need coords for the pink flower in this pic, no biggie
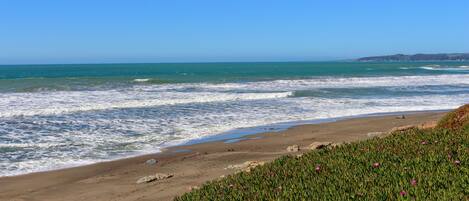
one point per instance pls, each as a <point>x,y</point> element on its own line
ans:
<point>318,168</point>
<point>376,165</point>
<point>413,182</point>
<point>403,193</point>
<point>423,142</point>
<point>457,162</point>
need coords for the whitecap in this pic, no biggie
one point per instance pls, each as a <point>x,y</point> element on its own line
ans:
<point>142,80</point>
<point>446,68</point>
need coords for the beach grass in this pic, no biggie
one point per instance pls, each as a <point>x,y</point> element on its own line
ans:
<point>430,164</point>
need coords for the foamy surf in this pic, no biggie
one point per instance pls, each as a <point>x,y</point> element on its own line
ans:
<point>446,68</point>
<point>81,101</point>
<point>112,136</point>
<point>142,80</point>
<point>105,118</point>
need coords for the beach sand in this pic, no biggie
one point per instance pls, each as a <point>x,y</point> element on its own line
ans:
<point>191,165</point>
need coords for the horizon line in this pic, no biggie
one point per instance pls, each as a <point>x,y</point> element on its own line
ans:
<point>180,62</point>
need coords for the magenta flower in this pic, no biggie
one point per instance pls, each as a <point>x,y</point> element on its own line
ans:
<point>413,182</point>
<point>376,165</point>
<point>403,193</point>
<point>318,168</point>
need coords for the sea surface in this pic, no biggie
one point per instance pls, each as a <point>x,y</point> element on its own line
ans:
<point>56,116</point>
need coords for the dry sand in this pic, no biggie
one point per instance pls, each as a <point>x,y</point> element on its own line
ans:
<point>116,180</point>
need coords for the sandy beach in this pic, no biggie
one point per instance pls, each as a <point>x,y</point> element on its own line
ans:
<point>192,165</point>
<point>234,100</point>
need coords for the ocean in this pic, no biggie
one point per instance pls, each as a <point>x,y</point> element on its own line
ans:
<point>57,116</point>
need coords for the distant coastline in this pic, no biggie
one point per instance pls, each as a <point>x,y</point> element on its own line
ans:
<point>418,57</point>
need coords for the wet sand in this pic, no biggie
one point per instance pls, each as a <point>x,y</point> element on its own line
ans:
<point>192,165</point>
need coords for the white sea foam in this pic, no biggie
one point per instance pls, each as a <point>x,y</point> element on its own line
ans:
<point>107,137</point>
<point>445,68</point>
<point>428,68</point>
<point>142,80</point>
<point>78,101</point>
<point>59,102</point>
<point>50,130</point>
<point>346,82</point>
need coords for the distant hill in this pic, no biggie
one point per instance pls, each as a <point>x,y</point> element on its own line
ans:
<point>419,57</point>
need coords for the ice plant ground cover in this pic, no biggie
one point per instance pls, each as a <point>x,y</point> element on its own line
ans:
<point>407,169</point>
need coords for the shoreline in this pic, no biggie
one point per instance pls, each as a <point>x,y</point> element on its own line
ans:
<point>193,164</point>
<point>240,133</point>
<point>236,135</point>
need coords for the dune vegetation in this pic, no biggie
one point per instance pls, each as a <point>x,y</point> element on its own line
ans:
<point>430,164</point>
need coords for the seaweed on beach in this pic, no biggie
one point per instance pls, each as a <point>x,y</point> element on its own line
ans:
<point>430,164</point>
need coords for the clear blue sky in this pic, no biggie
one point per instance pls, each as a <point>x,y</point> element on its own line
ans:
<point>89,31</point>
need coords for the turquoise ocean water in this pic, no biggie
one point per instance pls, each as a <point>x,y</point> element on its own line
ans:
<point>55,116</point>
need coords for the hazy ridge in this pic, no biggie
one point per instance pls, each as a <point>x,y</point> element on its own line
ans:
<point>419,57</point>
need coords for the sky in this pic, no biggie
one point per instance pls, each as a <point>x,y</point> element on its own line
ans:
<point>117,31</point>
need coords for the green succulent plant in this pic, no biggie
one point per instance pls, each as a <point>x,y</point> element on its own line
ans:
<point>415,164</point>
